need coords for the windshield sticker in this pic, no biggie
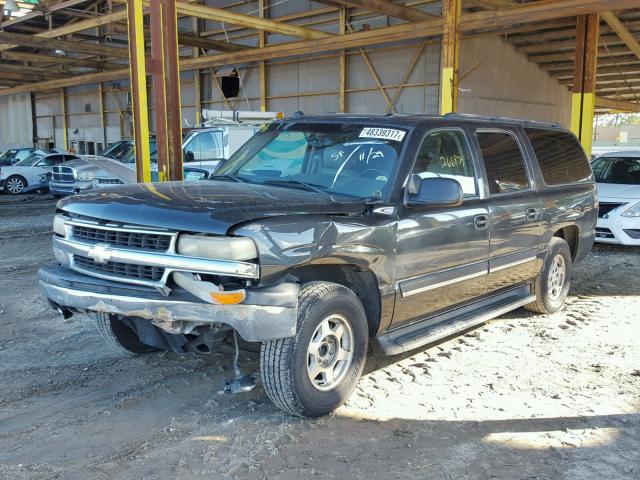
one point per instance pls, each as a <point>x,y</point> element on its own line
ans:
<point>383,133</point>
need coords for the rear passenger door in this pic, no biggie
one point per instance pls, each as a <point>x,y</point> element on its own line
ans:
<point>514,208</point>
<point>442,253</point>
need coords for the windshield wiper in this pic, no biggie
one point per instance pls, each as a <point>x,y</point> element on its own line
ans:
<point>310,187</point>
<point>235,178</point>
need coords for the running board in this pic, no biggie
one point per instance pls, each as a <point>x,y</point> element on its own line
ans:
<point>404,339</point>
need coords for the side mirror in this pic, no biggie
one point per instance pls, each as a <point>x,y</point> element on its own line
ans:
<point>189,156</point>
<point>435,192</point>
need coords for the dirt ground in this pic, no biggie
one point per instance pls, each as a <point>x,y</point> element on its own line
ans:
<point>524,397</point>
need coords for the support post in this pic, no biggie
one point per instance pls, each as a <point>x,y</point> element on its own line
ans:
<point>103,123</point>
<point>342,66</point>
<point>262,41</point>
<point>583,100</point>
<point>137,74</point>
<point>197,87</point>
<point>450,56</point>
<point>166,88</point>
<point>63,111</point>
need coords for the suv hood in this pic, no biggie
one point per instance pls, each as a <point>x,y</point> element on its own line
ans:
<point>203,206</point>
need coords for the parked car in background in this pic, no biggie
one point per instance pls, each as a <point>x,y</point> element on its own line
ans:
<point>26,174</point>
<point>617,177</point>
<point>12,156</point>
<point>325,234</point>
<point>203,149</point>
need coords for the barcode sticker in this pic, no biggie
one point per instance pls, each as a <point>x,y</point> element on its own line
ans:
<point>383,133</point>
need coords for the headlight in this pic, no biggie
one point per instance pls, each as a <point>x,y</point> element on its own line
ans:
<point>58,225</point>
<point>221,248</point>
<point>86,176</point>
<point>633,211</point>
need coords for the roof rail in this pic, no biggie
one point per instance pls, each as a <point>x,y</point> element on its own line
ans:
<point>491,118</point>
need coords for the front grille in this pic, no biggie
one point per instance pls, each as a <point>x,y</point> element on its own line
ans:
<point>604,233</point>
<point>607,207</point>
<point>148,241</point>
<point>117,269</point>
<point>109,181</point>
<point>62,174</point>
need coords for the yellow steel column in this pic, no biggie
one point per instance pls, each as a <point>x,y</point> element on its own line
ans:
<point>584,79</point>
<point>138,76</point>
<point>63,110</point>
<point>450,56</point>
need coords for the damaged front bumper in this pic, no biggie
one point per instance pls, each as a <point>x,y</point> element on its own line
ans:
<point>266,313</point>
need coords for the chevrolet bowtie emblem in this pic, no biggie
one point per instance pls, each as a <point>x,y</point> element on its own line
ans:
<point>100,253</point>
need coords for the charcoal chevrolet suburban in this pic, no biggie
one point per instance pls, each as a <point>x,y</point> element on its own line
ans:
<point>324,235</point>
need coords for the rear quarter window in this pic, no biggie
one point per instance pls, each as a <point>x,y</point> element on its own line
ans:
<point>560,157</point>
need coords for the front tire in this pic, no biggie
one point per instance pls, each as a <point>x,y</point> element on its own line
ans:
<point>15,185</point>
<point>313,373</point>
<point>552,284</point>
<point>117,335</point>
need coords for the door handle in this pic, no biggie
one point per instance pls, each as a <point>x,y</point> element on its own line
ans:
<point>532,213</point>
<point>480,222</point>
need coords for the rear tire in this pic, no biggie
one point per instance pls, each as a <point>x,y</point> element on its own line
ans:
<point>118,336</point>
<point>552,284</point>
<point>313,373</point>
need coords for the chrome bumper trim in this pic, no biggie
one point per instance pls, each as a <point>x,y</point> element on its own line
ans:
<point>254,323</point>
<point>102,253</point>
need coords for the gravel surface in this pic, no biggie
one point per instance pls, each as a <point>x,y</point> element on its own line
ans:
<point>523,397</point>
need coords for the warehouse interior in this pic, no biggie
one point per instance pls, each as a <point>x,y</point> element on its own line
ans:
<point>65,66</point>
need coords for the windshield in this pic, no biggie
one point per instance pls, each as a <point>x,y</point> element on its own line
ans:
<point>128,156</point>
<point>30,160</point>
<point>620,170</point>
<point>118,150</point>
<point>354,160</point>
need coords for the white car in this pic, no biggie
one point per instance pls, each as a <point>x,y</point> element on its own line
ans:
<point>617,177</point>
<point>26,174</point>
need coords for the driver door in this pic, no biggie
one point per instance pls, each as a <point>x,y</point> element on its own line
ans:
<point>443,252</point>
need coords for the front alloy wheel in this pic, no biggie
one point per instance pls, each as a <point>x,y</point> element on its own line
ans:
<point>557,275</point>
<point>313,373</point>
<point>15,185</point>
<point>330,352</point>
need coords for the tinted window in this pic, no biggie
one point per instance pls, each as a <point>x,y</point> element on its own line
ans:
<point>445,154</point>
<point>618,170</point>
<point>206,146</point>
<point>503,162</point>
<point>560,156</point>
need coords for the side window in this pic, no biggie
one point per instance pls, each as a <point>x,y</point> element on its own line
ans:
<point>445,154</point>
<point>206,146</point>
<point>503,162</point>
<point>49,161</point>
<point>598,166</point>
<point>560,156</point>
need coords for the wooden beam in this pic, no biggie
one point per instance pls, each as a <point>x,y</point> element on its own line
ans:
<point>584,83</point>
<point>471,22</point>
<point>385,7</point>
<point>191,40</point>
<point>450,56</point>
<point>262,42</point>
<point>623,32</point>
<point>495,4</point>
<point>42,73</point>
<point>22,40</point>
<point>60,60</point>
<point>611,52</point>
<point>41,11</point>
<point>343,18</point>
<point>616,104</point>
<point>247,21</point>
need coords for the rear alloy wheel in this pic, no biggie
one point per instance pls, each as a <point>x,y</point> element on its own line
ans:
<point>552,284</point>
<point>15,185</point>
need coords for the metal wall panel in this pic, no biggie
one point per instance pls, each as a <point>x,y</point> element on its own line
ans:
<point>16,127</point>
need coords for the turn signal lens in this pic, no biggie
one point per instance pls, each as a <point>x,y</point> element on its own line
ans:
<point>228,298</point>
